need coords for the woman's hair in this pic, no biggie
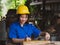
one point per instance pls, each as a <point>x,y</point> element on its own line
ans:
<point>18,17</point>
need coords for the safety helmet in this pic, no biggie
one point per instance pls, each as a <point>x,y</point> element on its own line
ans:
<point>23,9</point>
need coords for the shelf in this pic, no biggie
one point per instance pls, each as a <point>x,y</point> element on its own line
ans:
<point>37,3</point>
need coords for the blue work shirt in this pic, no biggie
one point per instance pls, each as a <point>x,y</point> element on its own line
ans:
<point>16,31</point>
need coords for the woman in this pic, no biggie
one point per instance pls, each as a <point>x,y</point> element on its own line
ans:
<point>21,30</point>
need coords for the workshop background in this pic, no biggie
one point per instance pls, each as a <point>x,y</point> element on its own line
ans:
<point>45,14</point>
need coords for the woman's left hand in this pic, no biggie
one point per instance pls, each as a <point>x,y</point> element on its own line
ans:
<point>47,36</point>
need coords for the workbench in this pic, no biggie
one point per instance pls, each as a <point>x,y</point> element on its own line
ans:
<point>41,43</point>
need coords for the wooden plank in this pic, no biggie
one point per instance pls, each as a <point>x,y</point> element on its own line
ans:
<point>41,43</point>
<point>35,42</point>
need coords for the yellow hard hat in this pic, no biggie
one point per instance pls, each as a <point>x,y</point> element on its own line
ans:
<point>23,9</point>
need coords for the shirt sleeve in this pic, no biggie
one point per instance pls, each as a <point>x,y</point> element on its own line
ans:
<point>36,31</point>
<point>12,31</point>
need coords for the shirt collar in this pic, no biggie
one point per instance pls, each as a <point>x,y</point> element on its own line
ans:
<point>23,25</point>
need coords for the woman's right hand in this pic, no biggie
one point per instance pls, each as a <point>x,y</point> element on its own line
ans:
<point>28,39</point>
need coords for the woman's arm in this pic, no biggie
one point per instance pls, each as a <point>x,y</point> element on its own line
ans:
<point>38,32</point>
<point>15,40</point>
<point>13,34</point>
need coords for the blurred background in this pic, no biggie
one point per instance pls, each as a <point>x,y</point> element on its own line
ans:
<point>45,14</point>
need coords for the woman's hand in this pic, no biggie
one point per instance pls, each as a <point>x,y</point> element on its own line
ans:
<point>28,39</point>
<point>47,36</point>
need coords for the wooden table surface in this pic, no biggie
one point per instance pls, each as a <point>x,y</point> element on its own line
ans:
<point>41,43</point>
<point>35,42</point>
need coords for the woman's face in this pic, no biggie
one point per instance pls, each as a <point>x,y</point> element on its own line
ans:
<point>23,18</point>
